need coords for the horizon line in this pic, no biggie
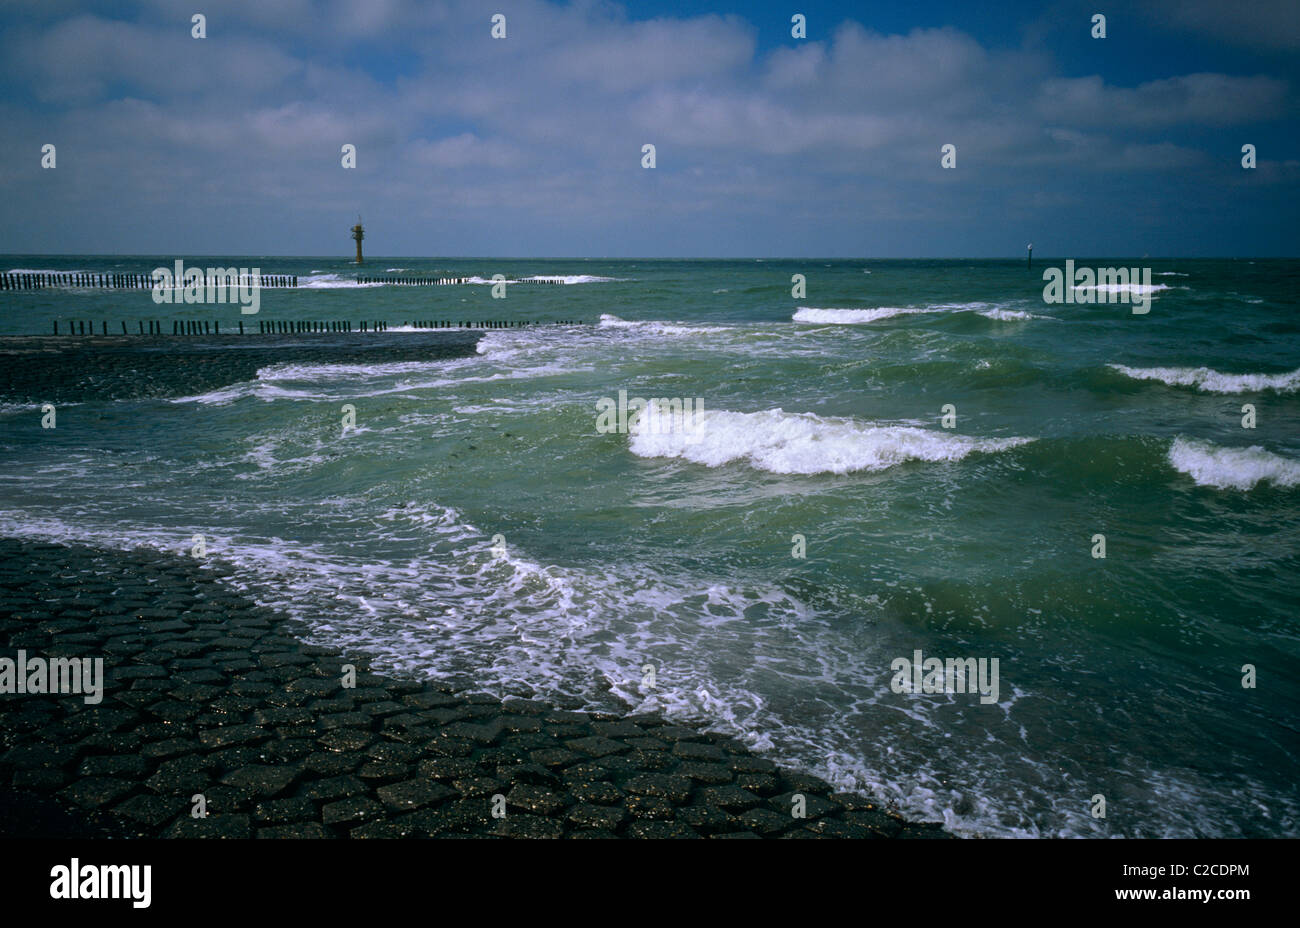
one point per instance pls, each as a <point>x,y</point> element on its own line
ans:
<point>1203,257</point>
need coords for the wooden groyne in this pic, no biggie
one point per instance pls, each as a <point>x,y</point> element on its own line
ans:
<point>287,326</point>
<point>87,281</point>
<point>414,281</point>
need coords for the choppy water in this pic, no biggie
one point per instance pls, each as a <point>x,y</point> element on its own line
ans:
<point>822,418</point>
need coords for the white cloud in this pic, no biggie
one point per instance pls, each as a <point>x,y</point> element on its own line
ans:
<point>550,121</point>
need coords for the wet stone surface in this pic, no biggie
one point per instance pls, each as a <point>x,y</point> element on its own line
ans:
<point>207,694</point>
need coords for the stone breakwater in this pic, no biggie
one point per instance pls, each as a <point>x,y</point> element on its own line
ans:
<point>206,693</point>
<point>66,369</point>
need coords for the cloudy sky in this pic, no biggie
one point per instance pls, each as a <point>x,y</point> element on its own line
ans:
<point>766,145</point>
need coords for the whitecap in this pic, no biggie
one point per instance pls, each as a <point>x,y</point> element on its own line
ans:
<point>1208,380</point>
<point>803,443</point>
<point>1211,465</point>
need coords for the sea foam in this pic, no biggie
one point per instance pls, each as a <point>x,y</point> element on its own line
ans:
<point>575,279</point>
<point>852,316</point>
<point>804,443</point>
<point>1232,468</point>
<point>1211,381</point>
<point>654,327</point>
<point>846,316</point>
<point>1010,315</point>
<point>331,282</point>
<point>1135,289</point>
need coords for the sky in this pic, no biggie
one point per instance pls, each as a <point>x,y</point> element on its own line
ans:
<point>766,145</point>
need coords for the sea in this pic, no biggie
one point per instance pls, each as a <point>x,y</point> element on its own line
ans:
<point>883,457</point>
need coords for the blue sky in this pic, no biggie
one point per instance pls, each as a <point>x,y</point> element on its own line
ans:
<point>766,145</point>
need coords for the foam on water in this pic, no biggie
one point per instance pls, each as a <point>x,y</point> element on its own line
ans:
<point>326,372</point>
<point>575,279</point>
<point>331,282</point>
<point>501,356</point>
<point>859,316</point>
<point>415,329</point>
<point>267,392</point>
<point>1010,315</point>
<point>537,278</point>
<point>518,627</point>
<point>654,327</point>
<point>464,610</point>
<point>802,443</point>
<point>1211,465</point>
<point>46,270</point>
<point>969,306</point>
<point>1212,381</point>
<point>852,316</point>
<point>1135,289</point>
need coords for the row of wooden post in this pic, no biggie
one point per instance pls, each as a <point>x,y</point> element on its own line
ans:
<point>289,326</point>
<point>43,281</point>
<point>477,324</point>
<point>414,281</point>
<point>130,281</point>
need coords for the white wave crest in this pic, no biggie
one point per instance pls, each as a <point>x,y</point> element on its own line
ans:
<point>1211,381</point>
<point>313,373</point>
<point>575,279</point>
<point>852,316</point>
<point>653,327</point>
<point>330,282</point>
<point>1232,468</point>
<point>832,316</point>
<point>538,278</point>
<point>1010,315</point>
<point>804,443</point>
<point>1135,289</point>
<point>50,270</point>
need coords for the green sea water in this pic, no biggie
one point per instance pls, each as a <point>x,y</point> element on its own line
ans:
<point>941,445</point>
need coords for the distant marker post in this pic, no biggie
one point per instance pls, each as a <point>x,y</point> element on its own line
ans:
<point>1029,262</point>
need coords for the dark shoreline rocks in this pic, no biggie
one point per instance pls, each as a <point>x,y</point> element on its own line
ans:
<point>208,694</point>
<point>75,369</point>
